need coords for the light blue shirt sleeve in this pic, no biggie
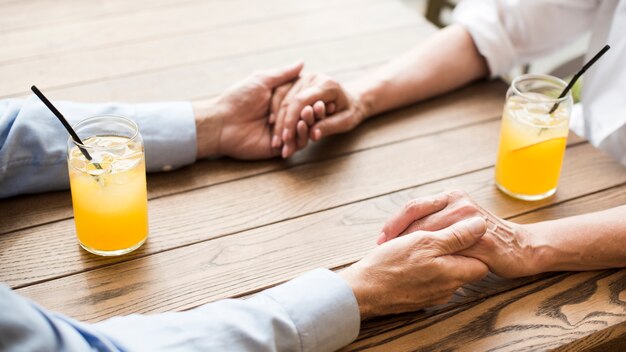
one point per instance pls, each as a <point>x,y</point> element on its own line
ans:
<point>315,312</point>
<point>33,143</point>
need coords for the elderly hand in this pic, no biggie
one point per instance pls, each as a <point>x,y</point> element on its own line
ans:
<point>415,271</point>
<point>236,123</point>
<point>300,111</point>
<point>507,248</point>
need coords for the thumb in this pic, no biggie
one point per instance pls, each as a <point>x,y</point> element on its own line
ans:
<point>279,76</point>
<point>337,123</point>
<point>461,235</point>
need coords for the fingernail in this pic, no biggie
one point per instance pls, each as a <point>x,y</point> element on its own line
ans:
<point>285,134</point>
<point>275,142</point>
<point>381,239</point>
<point>317,134</point>
<point>284,154</point>
<point>476,225</point>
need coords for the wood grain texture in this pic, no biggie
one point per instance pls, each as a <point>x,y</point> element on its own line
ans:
<point>207,213</point>
<point>151,24</point>
<point>225,228</point>
<point>77,68</point>
<point>540,316</point>
<point>245,262</point>
<point>481,102</point>
<point>610,339</point>
<point>20,15</point>
<point>207,78</point>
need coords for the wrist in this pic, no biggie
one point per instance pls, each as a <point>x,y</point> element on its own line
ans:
<point>350,276</point>
<point>541,256</point>
<point>209,120</point>
<point>365,93</point>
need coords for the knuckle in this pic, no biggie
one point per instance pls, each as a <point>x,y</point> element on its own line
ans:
<point>457,194</point>
<point>456,236</point>
<point>466,208</point>
<point>412,205</point>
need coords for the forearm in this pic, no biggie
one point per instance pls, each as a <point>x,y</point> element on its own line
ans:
<point>446,61</point>
<point>586,242</point>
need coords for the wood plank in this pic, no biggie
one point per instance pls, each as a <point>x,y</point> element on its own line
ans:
<point>248,261</point>
<point>300,190</point>
<point>540,316</point>
<point>150,24</point>
<point>479,102</point>
<point>610,339</point>
<point>205,79</point>
<point>21,15</point>
<point>387,329</point>
<point>224,42</point>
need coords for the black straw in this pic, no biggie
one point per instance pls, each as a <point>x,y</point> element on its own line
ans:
<point>67,126</point>
<point>578,74</point>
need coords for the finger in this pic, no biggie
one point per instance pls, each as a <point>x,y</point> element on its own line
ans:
<point>277,98</point>
<point>303,134</point>
<point>339,123</point>
<point>304,98</point>
<point>411,212</point>
<point>331,108</point>
<point>277,140</point>
<point>279,76</point>
<point>433,222</point>
<point>308,115</point>
<point>465,269</point>
<point>319,108</point>
<point>460,236</point>
<point>289,148</point>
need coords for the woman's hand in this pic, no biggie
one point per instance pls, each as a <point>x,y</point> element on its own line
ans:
<point>316,106</point>
<point>507,248</point>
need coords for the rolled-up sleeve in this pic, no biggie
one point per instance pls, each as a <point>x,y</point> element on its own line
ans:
<point>513,32</point>
<point>33,142</point>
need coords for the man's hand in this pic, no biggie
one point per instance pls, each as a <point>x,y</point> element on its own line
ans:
<point>316,106</point>
<point>507,248</point>
<point>415,271</point>
<point>236,124</point>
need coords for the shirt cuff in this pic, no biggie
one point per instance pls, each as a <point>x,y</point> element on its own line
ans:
<point>169,134</point>
<point>322,307</point>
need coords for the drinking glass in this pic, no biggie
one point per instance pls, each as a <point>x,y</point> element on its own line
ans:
<point>109,194</point>
<point>533,140</point>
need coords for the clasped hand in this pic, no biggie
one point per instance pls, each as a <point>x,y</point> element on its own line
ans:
<point>426,252</point>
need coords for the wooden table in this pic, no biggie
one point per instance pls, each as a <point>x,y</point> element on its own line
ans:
<point>227,228</point>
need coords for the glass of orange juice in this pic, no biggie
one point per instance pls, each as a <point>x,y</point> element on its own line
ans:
<point>109,193</point>
<point>533,140</point>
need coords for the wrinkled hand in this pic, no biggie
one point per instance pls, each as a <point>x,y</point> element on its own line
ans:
<point>505,248</point>
<point>316,106</point>
<point>241,115</point>
<point>415,271</point>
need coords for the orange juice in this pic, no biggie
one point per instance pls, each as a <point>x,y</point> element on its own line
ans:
<point>110,201</point>
<point>532,145</point>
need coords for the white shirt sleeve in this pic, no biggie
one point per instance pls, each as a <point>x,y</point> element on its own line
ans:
<point>513,32</point>
<point>315,312</point>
